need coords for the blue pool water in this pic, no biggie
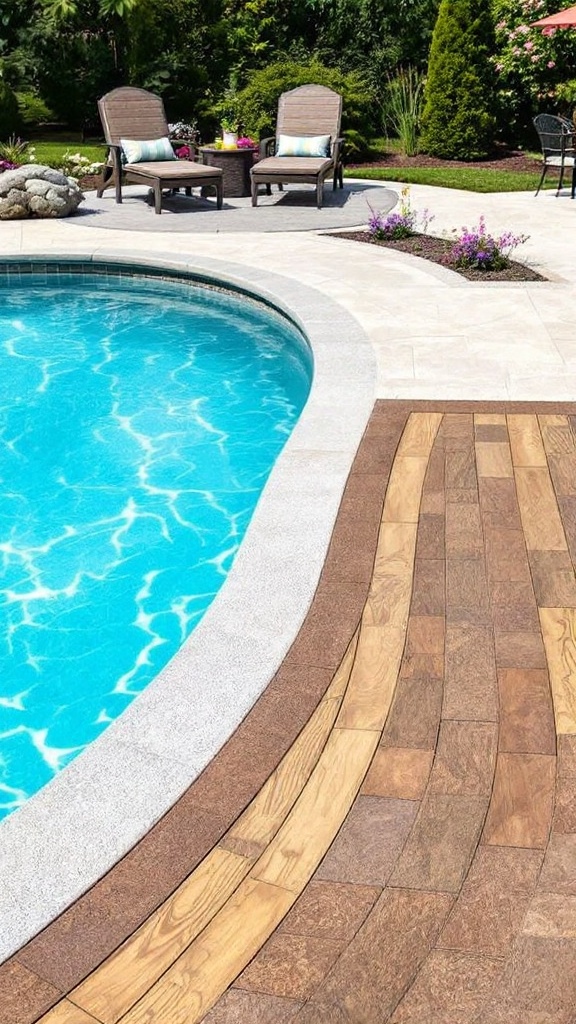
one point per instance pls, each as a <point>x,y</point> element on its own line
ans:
<point>139,421</point>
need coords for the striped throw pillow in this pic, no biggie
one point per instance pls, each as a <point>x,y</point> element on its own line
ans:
<point>137,152</point>
<point>307,145</point>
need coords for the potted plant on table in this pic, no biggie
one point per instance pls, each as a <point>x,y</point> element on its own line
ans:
<point>229,126</point>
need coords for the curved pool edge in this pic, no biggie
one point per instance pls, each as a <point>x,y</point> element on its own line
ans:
<point>77,827</point>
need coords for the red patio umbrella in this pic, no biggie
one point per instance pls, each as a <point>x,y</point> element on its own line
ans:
<point>564,19</point>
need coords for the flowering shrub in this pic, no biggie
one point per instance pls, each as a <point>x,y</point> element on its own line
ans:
<point>5,165</point>
<point>245,142</point>
<point>183,153</point>
<point>17,152</point>
<point>534,59</point>
<point>401,223</point>
<point>183,130</point>
<point>76,166</point>
<point>476,249</point>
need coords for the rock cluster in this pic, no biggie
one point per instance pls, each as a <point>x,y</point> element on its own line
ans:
<point>35,190</point>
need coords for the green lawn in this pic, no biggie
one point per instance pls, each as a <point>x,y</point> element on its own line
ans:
<point>471,179</point>
<point>52,153</point>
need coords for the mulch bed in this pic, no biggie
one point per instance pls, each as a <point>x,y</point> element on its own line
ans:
<point>502,160</point>
<point>436,249</point>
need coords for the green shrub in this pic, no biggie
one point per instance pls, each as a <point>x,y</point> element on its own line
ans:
<point>9,114</point>
<point>33,110</point>
<point>258,102</point>
<point>458,121</point>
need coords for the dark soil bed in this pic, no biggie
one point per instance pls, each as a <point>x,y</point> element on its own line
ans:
<point>436,250</point>
<point>501,160</point>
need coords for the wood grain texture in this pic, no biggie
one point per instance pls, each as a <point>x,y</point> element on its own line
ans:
<point>493,459</point>
<point>520,811</point>
<point>526,441</point>
<point>541,522</point>
<point>405,489</point>
<point>495,418</point>
<point>419,434</point>
<point>395,549</point>
<point>559,633</point>
<point>297,849</point>
<point>67,1013</point>
<point>188,990</point>
<point>373,679</point>
<point>557,434</point>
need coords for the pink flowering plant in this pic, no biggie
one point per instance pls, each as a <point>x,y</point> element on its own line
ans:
<point>400,223</point>
<point>245,142</point>
<point>532,60</point>
<point>475,248</point>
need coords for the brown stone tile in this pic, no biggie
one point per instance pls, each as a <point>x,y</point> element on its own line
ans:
<point>434,481</point>
<point>559,869</point>
<point>422,667</point>
<point>511,593</point>
<point>506,557</point>
<point>526,713</point>
<point>461,470</point>
<point>463,530</point>
<point>239,1007</point>
<point>352,548</point>
<point>369,842</point>
<point>551,916</point>
<point>363,496</point>
<point>470,616</point>
<point>456,427</point>
<point>491,432</point>
<point>428,587</point>
<point>450,989</point>
<point>400,772</point>
<point>377,967</point>
<point>553,579</point>
<point>563,473</point>
<point>330,910</point>
<point>329,625</point>
<point>520,812</point>
<point>538,985</point>
<point>564,820</point>
<point>433,503</point>
<point>24,995</point>
<point>430,540</point>
<point>465,758</point>
<point>470,690</point>
<point>415,714</point>
<point>498,497</point>
<point>440,847</point>
<point>489,911</point>
<point>566,756</point>
<point>373,457</point>
<point>515,618</point>
<point>290,966</point>
<point>519,650</point>
<point>466,583</point>
<point>425,635</point>
<point>462,496</point>
<point>567,509</point>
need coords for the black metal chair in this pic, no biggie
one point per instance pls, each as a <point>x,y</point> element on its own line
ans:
<point>557,136</point>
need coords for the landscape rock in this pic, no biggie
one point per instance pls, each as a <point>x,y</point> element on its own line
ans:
<point>35,190</point>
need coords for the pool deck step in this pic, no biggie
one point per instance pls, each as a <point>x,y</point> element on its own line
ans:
<point>390,835</point>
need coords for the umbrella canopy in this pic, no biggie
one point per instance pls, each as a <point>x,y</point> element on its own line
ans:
<point>564,19</point>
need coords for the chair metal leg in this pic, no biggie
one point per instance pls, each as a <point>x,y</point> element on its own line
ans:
<point>541,182</point>
<point>573,181</point>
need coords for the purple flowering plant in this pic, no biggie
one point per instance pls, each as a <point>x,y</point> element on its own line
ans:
<point>402,223</point>
<point>6,165</point>
<point>476,249</point>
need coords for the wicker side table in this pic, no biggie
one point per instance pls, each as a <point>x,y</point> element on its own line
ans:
<point>235,165</point>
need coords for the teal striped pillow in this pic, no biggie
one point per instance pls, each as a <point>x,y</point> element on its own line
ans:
<point>306,145</point>
<point>138,152</point>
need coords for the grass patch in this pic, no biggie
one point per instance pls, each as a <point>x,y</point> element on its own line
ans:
<point>469,179</point>
<point>52,153</point>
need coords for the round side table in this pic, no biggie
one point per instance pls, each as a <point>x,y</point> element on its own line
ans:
<point>235,165</point>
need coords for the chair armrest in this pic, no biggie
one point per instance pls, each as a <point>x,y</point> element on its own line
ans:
<point>267,146</point>
<point>337,150</point>
<point>115,154</point>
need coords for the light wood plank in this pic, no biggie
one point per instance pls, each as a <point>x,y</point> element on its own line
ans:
<point>558,438</point>
<point>526,441</point>
<point>299,846</point>
<point>490,418</point>
<point>541,522</point>
<point>559,633</point>
<point>388,602</point>
<point>493,459</point>
<point>373,680</point>
<point>395,549</point>
<point>66,1013</point>
<point>194,983</point>
<point>551,420</point>
<point>124,977</point>
<point>404,492</point>
<point>419,434</point>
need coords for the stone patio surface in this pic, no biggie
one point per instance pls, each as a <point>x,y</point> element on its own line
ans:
<point>390,834</point>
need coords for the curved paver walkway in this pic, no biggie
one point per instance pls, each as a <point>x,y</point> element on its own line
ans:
<point>410,851</point>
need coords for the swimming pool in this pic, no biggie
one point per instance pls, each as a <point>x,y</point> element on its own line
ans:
<point>140,421</point>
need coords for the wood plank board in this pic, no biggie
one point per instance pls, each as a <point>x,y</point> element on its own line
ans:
<point>373,680</point>
<point>419,434</point>
<point>559,633</point>
<point>395,550</point>
<point>541,522</point>
<point>493,459</point>
<point>526,441</point>
<point>66,1013</point>
<point>402,503</point>
<point>490,418</point>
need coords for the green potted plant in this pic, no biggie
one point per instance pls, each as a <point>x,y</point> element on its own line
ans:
<point>229,125</point>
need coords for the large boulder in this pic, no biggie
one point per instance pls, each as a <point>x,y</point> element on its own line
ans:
<point>35,190</point>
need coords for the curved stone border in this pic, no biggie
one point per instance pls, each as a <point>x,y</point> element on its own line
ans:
<point>73,830</point>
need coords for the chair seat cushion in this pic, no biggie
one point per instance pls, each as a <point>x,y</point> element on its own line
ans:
<point>136,151</point>
<point>177,169</point>
<point>556,161</point>
<point>292,165</point>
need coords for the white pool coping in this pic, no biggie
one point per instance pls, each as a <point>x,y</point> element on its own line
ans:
<point>72,831</point>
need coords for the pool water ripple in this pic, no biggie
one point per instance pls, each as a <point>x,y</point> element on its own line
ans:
<point>139,423</point>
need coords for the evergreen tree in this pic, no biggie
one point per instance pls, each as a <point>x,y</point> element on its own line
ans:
<point>458,121</point>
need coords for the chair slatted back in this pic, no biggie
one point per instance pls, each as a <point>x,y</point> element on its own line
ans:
<point>130,113</point>
<point>554,134</point>
<point>309,110</point>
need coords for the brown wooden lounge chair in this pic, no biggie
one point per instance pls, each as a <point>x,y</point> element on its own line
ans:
<point>135,114</point>
<point>303,113</point>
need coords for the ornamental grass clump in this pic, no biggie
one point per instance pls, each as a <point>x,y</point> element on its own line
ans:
<point>401,224</point>
<point>475,249</point>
